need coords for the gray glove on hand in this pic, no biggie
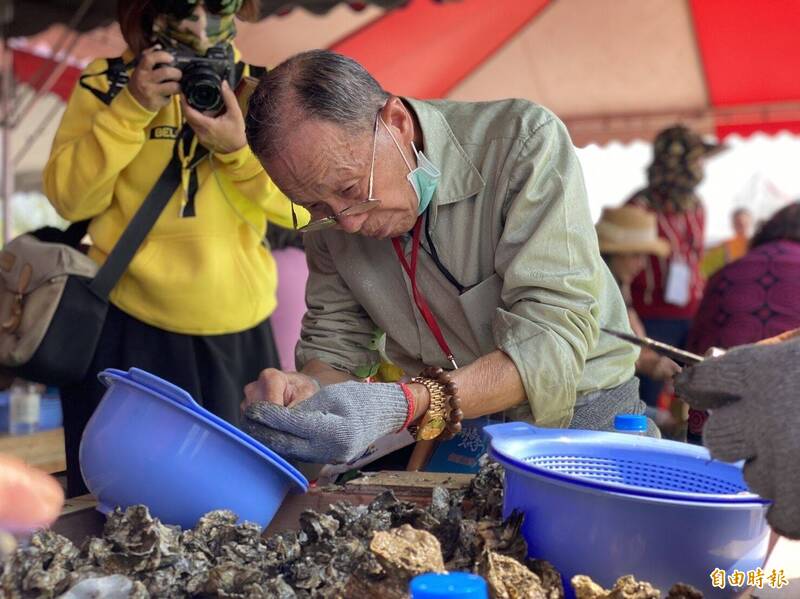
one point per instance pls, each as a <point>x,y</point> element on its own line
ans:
<point>335,425</point>
<point>754,395</point>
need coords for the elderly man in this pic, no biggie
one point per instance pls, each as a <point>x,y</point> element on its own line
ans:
<point>461,230</point>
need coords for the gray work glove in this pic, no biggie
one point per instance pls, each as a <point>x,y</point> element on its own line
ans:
<point>335,425</point>
<point>753,393</point>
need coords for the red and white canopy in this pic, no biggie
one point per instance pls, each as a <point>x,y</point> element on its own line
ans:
<point>612,69</point>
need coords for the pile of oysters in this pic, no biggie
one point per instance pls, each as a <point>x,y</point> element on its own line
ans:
<point>350,551</point>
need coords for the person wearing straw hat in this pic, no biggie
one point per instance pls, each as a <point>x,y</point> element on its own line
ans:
<point>627,236</point>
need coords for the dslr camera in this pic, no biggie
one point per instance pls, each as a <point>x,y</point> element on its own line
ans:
<point>202,78</point>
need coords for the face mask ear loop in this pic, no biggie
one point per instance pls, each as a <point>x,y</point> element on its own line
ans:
<point>408,164</point>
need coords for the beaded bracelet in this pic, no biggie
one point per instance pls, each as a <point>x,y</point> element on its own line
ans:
<point>454,413</point>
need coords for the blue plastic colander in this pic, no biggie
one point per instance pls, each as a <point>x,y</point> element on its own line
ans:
<point>174,393</point>
<point>609,504</point>
<point>625,464</point>
<point>149,442</point>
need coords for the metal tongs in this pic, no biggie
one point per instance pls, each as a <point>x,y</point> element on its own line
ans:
<point>682,357</point>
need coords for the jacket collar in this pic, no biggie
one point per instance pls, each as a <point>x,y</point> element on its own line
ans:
<point>460,179</point>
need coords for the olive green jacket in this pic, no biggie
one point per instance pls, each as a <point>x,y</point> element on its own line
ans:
<point>510,222</point>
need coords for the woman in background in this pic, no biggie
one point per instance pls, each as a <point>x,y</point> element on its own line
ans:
<point>754,298</point>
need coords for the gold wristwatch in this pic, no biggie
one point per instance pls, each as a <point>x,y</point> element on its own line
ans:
<point>435,419</point>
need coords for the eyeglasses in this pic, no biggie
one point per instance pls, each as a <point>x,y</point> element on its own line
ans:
<point>359,208</point>
<point>183,9</point>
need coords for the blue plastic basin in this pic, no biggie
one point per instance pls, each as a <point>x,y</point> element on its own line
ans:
<point>608,504</point>
<point>148,442</point>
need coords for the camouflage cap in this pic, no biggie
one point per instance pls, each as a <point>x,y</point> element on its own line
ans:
<point>677,166</point>
<point>681,142</point>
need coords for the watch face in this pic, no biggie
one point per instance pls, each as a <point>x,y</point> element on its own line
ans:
<point>433,428</point>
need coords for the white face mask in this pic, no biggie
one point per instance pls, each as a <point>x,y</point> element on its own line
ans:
<point>424,178</point>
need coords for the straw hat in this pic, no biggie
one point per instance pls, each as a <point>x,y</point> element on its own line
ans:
<point>630,229</point>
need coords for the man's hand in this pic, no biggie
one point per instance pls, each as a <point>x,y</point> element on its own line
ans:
<point>336,425</point>
<point>223,133</point>
<point>153,85</point>
<point>279,388</point>
<point>657,367</point>
<point>752,392</point>
<point>665,369</point>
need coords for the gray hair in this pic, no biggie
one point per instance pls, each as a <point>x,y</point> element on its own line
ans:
<point>318,84</point>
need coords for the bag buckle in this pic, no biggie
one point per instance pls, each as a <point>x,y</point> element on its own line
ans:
<point>12,323</point>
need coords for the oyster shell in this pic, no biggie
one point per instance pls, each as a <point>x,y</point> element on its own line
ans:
<point>626,587</point>
<point>407,551</point>
<point>509,579</point>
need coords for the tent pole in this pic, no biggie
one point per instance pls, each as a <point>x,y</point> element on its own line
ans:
<point>8,163</point>
<point>7,73</point>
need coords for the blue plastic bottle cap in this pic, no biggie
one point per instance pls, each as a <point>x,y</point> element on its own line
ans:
<point>449,586</point>
<point>631,422</point>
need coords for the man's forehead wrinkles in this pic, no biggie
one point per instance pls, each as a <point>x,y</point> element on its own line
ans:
<point>305,162</point>
<point>289,176</point>
<point>319,168</point>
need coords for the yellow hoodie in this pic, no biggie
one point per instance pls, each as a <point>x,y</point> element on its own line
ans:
<point>201,274</point>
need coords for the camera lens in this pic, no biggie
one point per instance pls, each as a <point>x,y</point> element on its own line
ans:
<point>204,97</point>
<point>202,88</point>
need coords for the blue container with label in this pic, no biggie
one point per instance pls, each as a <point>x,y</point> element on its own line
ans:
<point>461,453</point>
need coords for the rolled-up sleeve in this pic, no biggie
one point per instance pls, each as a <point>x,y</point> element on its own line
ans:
<point>336,329</point>
<point>552,274</point>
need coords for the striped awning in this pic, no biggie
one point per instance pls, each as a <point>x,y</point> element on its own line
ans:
<point>611,69</point>
<point>33,16</point>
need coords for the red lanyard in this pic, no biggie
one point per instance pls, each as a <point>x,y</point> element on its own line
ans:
<point>419,299</point>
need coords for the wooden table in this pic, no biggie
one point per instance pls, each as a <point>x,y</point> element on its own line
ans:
<point>43,450</point>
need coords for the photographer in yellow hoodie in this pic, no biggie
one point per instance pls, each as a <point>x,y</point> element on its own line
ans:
<point>194,303</point>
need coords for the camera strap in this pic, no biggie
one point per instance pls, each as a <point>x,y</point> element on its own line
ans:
<point>117,72</point>
<point>139,226</point>
<point>189,152</point>
<point>252,71</point>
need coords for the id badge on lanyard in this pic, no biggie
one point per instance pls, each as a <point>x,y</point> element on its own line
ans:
<point>678,288</point>
<point>679,282</point>
<point>419,299</point>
